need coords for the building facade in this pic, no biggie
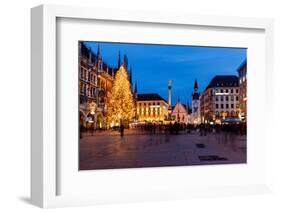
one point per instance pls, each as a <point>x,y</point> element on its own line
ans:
<point>220,100</point>
<point>195,107</point>
<point>88,87</point>
<point>181,113</point>
<point>105,83</point>
<point>95,86</point>
<point>242,73</point>
<point>151,108</point>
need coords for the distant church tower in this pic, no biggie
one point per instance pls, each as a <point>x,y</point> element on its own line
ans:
<point>195,116</point>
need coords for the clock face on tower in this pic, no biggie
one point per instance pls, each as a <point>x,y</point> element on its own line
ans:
<point>195,106</point>
<point>195,109</point>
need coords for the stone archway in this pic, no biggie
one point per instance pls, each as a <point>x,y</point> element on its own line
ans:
<point>90,121</point>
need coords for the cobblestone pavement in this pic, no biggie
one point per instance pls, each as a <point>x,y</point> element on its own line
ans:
<point>107,150</point>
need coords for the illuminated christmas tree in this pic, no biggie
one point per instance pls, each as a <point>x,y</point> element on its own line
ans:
<point>121,104</point>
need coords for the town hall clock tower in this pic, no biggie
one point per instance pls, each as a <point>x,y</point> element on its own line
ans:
<point>195,116</point>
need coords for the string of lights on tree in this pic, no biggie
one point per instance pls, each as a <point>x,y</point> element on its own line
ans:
<point>121,104</point>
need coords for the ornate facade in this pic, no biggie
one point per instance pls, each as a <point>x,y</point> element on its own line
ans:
<point>95,85</point>
<point>181,113</point>
<point>88,87</point>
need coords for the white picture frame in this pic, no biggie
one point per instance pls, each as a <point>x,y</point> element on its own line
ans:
<point>44,154</point>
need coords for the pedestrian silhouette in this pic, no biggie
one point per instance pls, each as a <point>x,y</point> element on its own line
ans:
<point>122,130</point>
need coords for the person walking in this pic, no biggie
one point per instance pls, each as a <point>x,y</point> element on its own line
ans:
<point>122,130</point>
<point>201,129</point>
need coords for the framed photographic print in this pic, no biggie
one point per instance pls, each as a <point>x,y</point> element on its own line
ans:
<point>149,106</point>
<point>136,112</point>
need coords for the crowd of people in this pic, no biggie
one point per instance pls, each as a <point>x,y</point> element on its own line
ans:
<point>153,128</point>
<point>236,128</point>
<point>203,129</point>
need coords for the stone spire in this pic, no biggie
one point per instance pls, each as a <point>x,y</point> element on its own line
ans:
<point>99,59</point>
<point>119,60</point>
<point>131,76</point>
<point>125,62</point>
<point>90,55</point>
<point>99,55</point>
<point>195,85</point>
<point>136,88</point>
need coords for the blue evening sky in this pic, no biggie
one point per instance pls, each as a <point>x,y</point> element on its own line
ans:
<point>153,65</point>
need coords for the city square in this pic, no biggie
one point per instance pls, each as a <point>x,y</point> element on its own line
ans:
<point>136,149</point>
<point>179,106</point>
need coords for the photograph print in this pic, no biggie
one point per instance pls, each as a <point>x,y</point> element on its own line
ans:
<point>151,105</point>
